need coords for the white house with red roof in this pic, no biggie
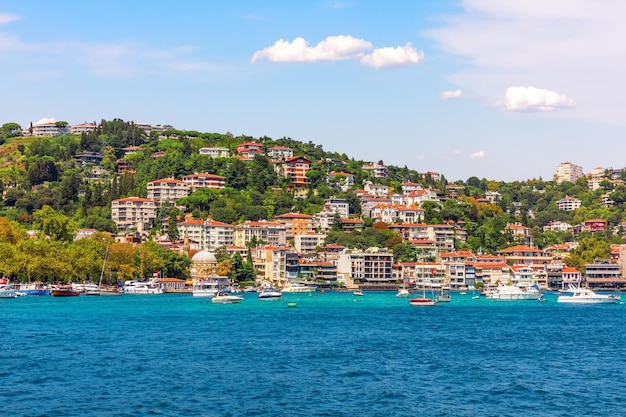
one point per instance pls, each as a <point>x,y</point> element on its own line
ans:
<point>204,180</point>
<point>279,153</point>
<point>295,169</point>
<point>247,150</point>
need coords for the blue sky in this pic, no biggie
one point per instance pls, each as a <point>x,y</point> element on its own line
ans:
<point>502,90</point>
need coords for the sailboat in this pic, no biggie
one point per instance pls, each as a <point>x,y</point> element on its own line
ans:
<point>443,296</point>
<point>107,290</point>
<point>423,301</point>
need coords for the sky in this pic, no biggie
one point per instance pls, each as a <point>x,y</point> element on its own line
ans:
<point>502,90</point>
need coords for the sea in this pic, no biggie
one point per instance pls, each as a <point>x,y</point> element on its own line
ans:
<point>334,354</point>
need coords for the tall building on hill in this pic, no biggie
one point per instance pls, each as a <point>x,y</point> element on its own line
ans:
<point>566,171</point>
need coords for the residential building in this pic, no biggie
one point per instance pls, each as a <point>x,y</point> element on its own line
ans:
<point>89,158</point>
<point>247,150</point>
<point>269,232</point>
<point>342,180</point>
<point>409,187</point>
<point>568,203</point>
<point>133,213</point>
<point>279,153</point>
<point>526,255</point>
<point>50,129</point>
<point>215,152</point>
<point>210,234</point>
<point>296,223</point>
<point>376,170</point>
<point>204,180</point>
<point>519,233</point>
<point>594,225</point>
<point>557,226</point>
<point>167,190</point>
<point>371,267</point>
<point>82,128</point>
<point>603,274</point>
<point>377,190</point>
<point>271,262</point>
<point>308,242</point>
<point>456,267</point>
<point>566,171</point>
<point>295,169</point>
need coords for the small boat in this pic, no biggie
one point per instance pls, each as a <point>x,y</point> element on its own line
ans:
<point>422,302</point>
<point>64,291</point>
<point>444,297</point>
<point>358,293</point>
<point>587,296</point>
<point>8,291</point>
<point>223,297</point>
<point>270,293</point>
<point>402,292</point>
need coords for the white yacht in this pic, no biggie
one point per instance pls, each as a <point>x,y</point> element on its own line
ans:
<point>8,291</point>
<point>402,292</point>
<point>270,293</point>
<point>223,297</point>
<point>297,287</point>
<point>143,287</point>
<point>513,292</point>
<point>205,288</point>
<point>587,296</point>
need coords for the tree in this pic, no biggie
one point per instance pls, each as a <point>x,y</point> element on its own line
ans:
<point>54,225</point>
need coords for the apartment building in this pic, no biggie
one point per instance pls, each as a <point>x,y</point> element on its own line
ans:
<point>210,234</point>
<point>566,171</point>
<point>568,203</point>
<point>269,232</point>
<point>204,180</point>
<point>296,223</point>
<point>167,190</point>
<point>133,213</point>
<point>371,267</point>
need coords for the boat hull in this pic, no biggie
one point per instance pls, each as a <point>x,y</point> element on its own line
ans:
<point>64,293</point>
<point>422,302</point>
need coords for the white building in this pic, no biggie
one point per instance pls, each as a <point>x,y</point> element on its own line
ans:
<point>215,152</point>
<point>167,190</point>
<point>566,171</point>
<point>210,234</point>
<point>133,213</point>
<point>308,242</point>
<point>568,203</point>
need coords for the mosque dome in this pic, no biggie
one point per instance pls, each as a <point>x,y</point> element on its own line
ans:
<point>203,257</point>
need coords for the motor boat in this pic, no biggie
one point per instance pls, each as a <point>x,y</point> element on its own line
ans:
<point>402,292</point>
<point>513,292</point>
<point>587,296</point>
<point>422,302</point>
<point>358,293</point>
<point>223,297</point>
<point>8,291</point>
<point>64,291</point>
<point>142,287</point>
<point>270,293</point>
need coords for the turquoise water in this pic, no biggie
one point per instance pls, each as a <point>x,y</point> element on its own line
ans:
<point>333,355</point>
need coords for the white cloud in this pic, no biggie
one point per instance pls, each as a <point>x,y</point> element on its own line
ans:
<point>339,48</point>
<point>390,57</point>
<point>445,95</point>
<point>477,155</point>
<point>7,18</point>
<point>568,45</point>
<point>535,99</point>
<point>333,48</point>
<point>45,120</point>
